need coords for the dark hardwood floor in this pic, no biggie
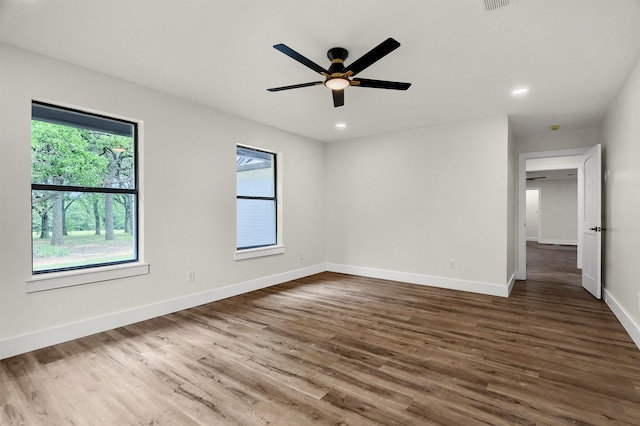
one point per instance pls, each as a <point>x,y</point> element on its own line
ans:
<point>333,349</point>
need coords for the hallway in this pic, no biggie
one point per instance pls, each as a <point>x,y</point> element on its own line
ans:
<point>553,263</point>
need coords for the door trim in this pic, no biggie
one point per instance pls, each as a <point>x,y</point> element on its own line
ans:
<point>521,269</point>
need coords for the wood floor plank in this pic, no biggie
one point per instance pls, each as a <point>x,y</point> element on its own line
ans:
<point>334,349</point>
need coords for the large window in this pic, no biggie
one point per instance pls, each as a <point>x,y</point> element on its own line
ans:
<point>84,192</point>
<point>256,198</point>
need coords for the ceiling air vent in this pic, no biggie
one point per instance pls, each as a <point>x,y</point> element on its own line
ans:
<point>491,5</point>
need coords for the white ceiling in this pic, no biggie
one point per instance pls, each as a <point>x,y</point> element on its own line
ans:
<point>462,61</point>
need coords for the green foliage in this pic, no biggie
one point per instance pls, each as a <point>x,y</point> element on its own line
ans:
<point>65,155</point>
<point>42,250</point>
<point>61,155</point>
<point>81,248</point>
<point>70,156</point>
<point>79,213</point>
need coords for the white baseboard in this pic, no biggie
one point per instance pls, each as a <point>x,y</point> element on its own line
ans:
<point>43,338</point>
<point>625,319</point>
<point>534,239</point>
<point>449,283</point>
<point>40,339</point>
<point>560,242</point>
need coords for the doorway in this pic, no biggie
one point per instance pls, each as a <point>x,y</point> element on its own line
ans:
<point>565,160</point>
<point>552,224</point>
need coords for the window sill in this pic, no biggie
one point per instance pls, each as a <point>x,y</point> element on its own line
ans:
<point>43,282</point>
<point>258,252</point>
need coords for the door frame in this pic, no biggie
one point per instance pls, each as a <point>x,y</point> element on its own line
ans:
<point>521,269</point>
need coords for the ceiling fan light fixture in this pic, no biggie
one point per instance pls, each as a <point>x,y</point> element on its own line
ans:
<point>338,83</point>
<point>337,76</point>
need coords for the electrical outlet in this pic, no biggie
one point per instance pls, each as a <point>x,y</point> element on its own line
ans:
<point>301,255</point>
<point>191,276</point>
<point>452,264</point>
<point>638,300</point>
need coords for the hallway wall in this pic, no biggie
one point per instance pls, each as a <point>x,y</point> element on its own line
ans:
<point>620,133</point>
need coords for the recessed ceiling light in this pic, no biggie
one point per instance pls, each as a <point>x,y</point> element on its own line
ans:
<point>519,91</point>
<point>341,125</point>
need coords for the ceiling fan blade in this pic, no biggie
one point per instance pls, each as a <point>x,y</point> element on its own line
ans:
<point>338,98</point>
<point>298,57</point>
<point>296,86</point>
<point>380,84</point>
<point>374,55</point>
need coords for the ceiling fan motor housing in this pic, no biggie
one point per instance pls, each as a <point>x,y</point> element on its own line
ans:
<point>337,56</point>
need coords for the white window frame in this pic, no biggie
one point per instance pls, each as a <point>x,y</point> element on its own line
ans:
<point>71,278</point>
<point>279,247</point>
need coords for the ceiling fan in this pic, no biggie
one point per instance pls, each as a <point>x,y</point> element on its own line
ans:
<point>338,77</point>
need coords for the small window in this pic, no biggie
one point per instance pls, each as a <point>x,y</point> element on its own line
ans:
<point>84,192</point>
<point>256,198</point>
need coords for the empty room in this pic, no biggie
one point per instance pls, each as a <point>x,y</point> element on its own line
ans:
<point>293,213</point>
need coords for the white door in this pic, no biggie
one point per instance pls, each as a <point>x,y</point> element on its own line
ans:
<point>532,223</point>
<point>592,223</point>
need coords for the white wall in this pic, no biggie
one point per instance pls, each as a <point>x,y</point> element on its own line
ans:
<point>533,213</point>
<point>554,163</point>
<point>557,140</point>
<point>558,210</point>
<point>189,180</point>
<point>620,133</point>
<point>410,202</point>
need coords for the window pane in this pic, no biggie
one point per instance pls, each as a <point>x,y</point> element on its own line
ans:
<point>64,153</point>
<point>79,229</point>
<point>256,223</point>
<point>256,173</point>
